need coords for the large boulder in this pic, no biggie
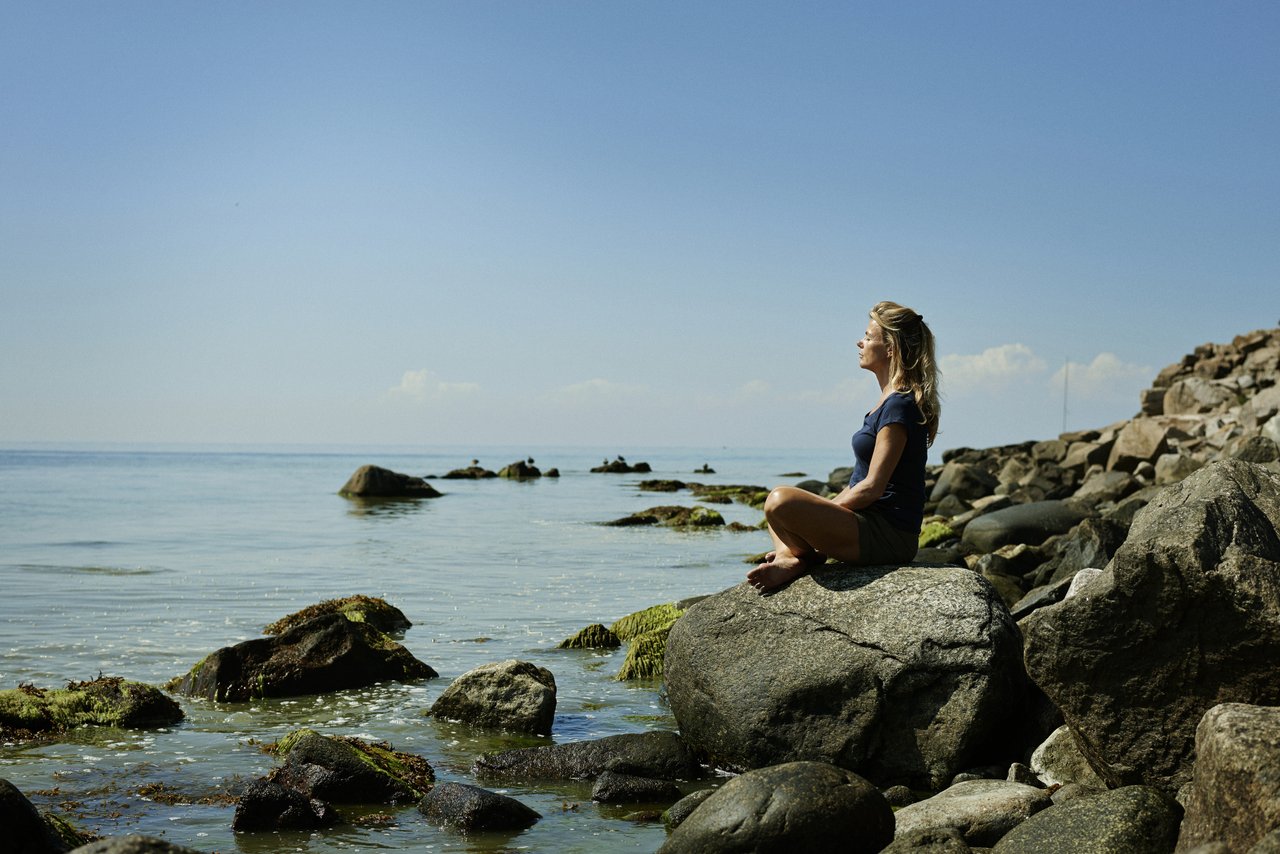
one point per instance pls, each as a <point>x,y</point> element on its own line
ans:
<point>25,829</point>
<point>377,612</point>
<point>661,755</point>
<point>1129,820</point>
<point>376,482</point>
<point>1031,523</point>
<point>31,712</point>
<point>471,809</point>
<point>798,806</point>
<point>327,653</point>
<point>350,770</point>
<point>903,675</point>
<point>1235,791</point>
<point>1185,616</point>
<point>981,811</point>
<point>134,843</point>
<point>267,805</point>
<point>511,695</point>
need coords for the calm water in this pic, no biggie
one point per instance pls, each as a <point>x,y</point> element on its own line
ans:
<point>139,562</point>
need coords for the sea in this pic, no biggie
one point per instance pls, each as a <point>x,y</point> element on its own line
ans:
<point>138,561</point>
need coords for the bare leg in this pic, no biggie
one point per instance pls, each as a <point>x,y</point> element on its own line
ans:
<point>805,529</point>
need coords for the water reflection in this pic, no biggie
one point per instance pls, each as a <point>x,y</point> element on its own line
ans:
<point>387,507</point>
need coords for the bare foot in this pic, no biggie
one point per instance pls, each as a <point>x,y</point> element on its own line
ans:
<point>776,573</point>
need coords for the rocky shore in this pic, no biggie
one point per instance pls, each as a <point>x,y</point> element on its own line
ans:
<point>1083,657</point>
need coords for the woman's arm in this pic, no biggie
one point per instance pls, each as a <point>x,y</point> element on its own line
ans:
<point>891,441</point>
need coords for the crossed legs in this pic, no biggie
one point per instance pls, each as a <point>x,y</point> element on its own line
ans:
<point>806,530</point>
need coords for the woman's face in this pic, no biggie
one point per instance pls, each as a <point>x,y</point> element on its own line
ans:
<point>872,351</point>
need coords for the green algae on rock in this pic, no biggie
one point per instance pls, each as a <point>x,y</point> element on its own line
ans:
<point>31,712</point>
<point>935,532</point>
<point>752,496</point>
<point>377,612</point>
<point>646,633</point>
<point>358,771</point>
<point>594,636</point>
<point>672,516</point>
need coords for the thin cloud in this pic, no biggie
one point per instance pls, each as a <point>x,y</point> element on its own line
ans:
<point>423,385</point>
<point>994,365</point>
<point>1106,376</point>
<point>599,389</point>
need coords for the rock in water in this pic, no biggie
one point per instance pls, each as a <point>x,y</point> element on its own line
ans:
<point>901,675</point>
<point>375,482</point>
<point>798,806</point>
<point>469,809</point>
<point>327,653</point>
<point>1185,616</point>
<point>511,695</point>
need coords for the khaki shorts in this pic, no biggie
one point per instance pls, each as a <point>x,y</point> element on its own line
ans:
<point>880,543</point>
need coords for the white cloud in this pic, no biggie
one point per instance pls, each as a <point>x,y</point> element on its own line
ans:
<point>422,385</point>
<point>1106,376</point>
<point>994,365</point>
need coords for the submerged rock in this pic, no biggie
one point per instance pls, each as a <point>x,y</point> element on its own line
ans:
<point>646,635</point>
<point>471,472</point>
<point>903,675</point>
<point>326,653</point>
<point>621,466</point>
<point>31,712</point>
<point>379,613</point>
<point>663,755</point>
<point>24,828</point>
<point>615,787</point>
<point>375,482</point>
<point>470,809</point>
<point>350,770</point>
<point>520,470</point>
<point>511,695</point>
<point>267,805</point>
<point>671,516</point>
<point>798,806</point>
<point>134,843</point>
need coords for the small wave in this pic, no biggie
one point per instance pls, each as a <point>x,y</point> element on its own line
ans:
<point>90,570</point>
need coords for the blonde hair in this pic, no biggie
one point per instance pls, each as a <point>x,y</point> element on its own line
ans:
<point>912,366</point>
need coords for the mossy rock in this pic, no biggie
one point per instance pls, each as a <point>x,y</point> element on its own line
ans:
<point>520,470</point>
<point>28,711</point>
<point>662,485</point>
<point>378,613</point>
<point>70,835</point>
<point>360,771</point>
<point>934,533</point>
<point>594,636</point>
<point>672,516</point>
<point>644,655</point>
<point>642,622</point>
<point>753,496</point>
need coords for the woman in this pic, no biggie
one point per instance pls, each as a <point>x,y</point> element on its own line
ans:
<point>876,518</point>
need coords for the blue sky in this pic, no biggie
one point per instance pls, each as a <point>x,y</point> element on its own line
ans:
<point>619,224</point>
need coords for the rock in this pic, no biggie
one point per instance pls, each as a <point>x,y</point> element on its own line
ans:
<point>620,466</point>
<point>1141,440</point>
<point>471,809</point>
<point>799,806</point>
<point>1040,597</point>
<point>675,815</point>
<point>25,830</point>
<point>350,770</point>
<point>1269,844</point>
<point>934,533</point>
<point>471,472</point>
<point>1171,468</point>
<point>1058,760</point>
<point>1186,615</point>
<point>375,482</point>
<point>663,755</point>
<point>671,516</point>
<point>817,487</point>
<point>266,805</point>
<point>900,796</point>
<point>963,480</point>
<point>982,811</point>
<point>1107,486</point>
<point>1022,523</point>
<point>724,493</point>
<point>615,787</point>
<point>29,712</point>
<point>132,844</point>
<point>327,653</point>
<point>379,613</point>
<point>1129,820</point>
<point>1235,793</point>
<point>520,470</point>
<point>510,695</point>
<point>594,636</point>
<point>1258,449</point>
<point>839,478</point>
<point>646,635</point>
<point>929,840</point>
<point>1196,395</point>
<point>1019,773</point>
<point>902,675</point>
<point>661,485</point>
<point>1089,544</point>
<point>1081,580</point>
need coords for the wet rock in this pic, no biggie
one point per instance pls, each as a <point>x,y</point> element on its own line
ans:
<point>133,844</point>
<point>31,712</point>
<point>902,675</point>
<point>661,485</point>
<point>981,811</point>
<point>1234,795</point>
<point>615,787</point>
<point>379,613</point>
<point>683,808</point>
<point>594,636</point>
<point>375,482</point>
<point>511,695</point>
<point>621,466</point>
<point>266,805</point>
<point>350,770</point>
<point>471,809</point>
<point>1185,616</point>
<point>471,472</point>
<point>326,653</point>
<point>25,830</point>
<point>798,806</point>
<point>671,516</point>
<point>520,470</point>
<point>663,755</point>
<point>1129,820</point>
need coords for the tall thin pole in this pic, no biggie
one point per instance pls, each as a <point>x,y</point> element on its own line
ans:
<point>1066,370</point>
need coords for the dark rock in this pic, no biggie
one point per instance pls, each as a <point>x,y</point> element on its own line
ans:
<point>672,517</point>
<point>1088,545</point>
<point>266,805</point>
<point>615,787</point>
<point>929,840</point>
<point>1234,795</point>
<point>379,613</point>
<point>1129,820</point>
<point>661,485</point>
<point>471,472</point>
<point>839,478</point>
<point>132,844</point>
<point>900,796</point>
<point>594,636</point>
<point>520,470</point>
<point>663,755</point>
<point>1186,615</point>
<point>1258,449</point>
<point>621,466</point>
<point>817,487</point>
<point>683,808</point>
<point>1022,523</point>
<point>799,806</point>
<point>963,480</point>
<point>982,811</point>
<point>24,829</point>
<point>510,695</point>
<point>327,653</point>
<point>349,770</point>
<point>903,675</point>
<point>471,809</point>
<point>375,482</point>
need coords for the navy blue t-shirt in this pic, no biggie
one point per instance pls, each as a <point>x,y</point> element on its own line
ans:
<point>903,500</point>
